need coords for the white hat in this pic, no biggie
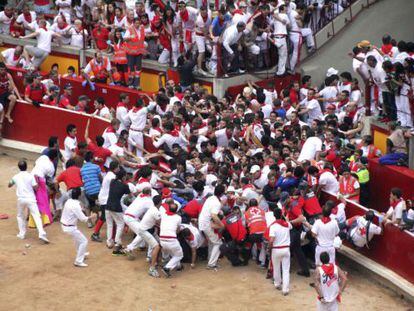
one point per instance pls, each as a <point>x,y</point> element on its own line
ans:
<point>231,189</point>
<point>247,90</point>
<point>254,169</point>
<point>210,179</point>
<point>331,71</point>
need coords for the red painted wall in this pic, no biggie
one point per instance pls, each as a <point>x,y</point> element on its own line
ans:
<point>393,249</point>
<point>385,177</point>
<point>35,125</point>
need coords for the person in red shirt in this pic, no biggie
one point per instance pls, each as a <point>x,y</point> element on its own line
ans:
<point>256,226</point>
<point>64,100</point>
<point>100,154</point>
<point>71,176</point>
<point>311,207</point>
<point>234,234</point>
<point>292,211</point>
<point>100,36</point>
<point>35,91</point>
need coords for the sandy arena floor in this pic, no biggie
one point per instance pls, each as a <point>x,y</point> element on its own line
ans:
<point>42,277</point>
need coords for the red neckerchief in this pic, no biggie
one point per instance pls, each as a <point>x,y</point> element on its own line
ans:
<point>142,195</point>
<point>324,171</point>
<point>119,145</point>
<point>110,129</point>
<point>28,17</point>
<point>343,102</point>
<point>184,15</point>
<point>329,269</point>
<point>142,180</point>
<point>122,104</point>
<point>169,213</point>
<point>346,83</point>
<point>130,21</point>
<point>120,18</point>
<point>334,210</point>
<point>287,106</point>
<point>64,26</point>
<point>44,27</point>
<point>174,133</point>
<point>325,220</point>
<point>9,16</point>
<point>387,49</point>
<point>158,129</point>
<point>229,135</point>
<point>72,136</point>
<point>282,222</point>
<point>205,18</point>
<point>238,11</point>
<point>15,57</point>
<point>394,204</point>
<point>190,237</point>
<point>248,186</point>
<point>136,109</point>
<point>221,21</point>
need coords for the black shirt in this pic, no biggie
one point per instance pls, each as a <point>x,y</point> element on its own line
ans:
<point>186,73</point>
<point>116,190</point>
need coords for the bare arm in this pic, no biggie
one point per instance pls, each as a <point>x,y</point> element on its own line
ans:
<point>87,139</point>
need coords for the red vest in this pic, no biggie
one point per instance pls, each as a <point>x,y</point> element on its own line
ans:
<point>136,43</point>
<point>347,186</point>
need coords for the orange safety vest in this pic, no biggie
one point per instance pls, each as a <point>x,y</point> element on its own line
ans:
<point>348,187</point>
<point>136,43</point>
<point>120,54</point>
<point>100,71</point>
<point>255,220</point>
<point>372,152</point>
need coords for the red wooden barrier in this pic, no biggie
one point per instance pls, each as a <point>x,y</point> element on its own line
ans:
<point>385,177</point>
<point>278,83</point>
<point>393,249</point>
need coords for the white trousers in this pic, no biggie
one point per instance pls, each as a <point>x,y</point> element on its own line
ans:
<point>172,247</point>
<point>308,35</point>
<point>214,243</point>
<point>117,218</point>
<point>320,249</point>
<point>281,267</point>
<point>133,224</point>
<point>403,110</point>
<point>282,52</point>
<point>22,204</point>
<point>329,306</point>
<point>81,242</point>
<point>138,138</point>
<point>296,39</point>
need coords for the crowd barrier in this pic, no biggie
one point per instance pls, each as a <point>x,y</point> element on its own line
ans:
<point>393,249</point>
<point>385,177</point>
<point>109,93</point>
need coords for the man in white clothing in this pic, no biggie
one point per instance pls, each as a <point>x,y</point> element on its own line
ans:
<point>311,107</point>
<point>70,142</point>
<point>279,246</point>
<point>169,227</point>
<point>26,186</point>
<point>231,38</point>
<point>44,44</point>
<point>327,180</point>
<point>311,148</point>
<point>279,38</point>
<point>71,214</point>
<point>325,230</point>
<point>208,221</point>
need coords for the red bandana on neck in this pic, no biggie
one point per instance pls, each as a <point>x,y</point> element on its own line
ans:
<point>174,133</point>
<point>387,49</point>
<point>329,269</point>
<point>142,195</point>
<point>110,129</point>
<point>28,17</point>
<point>325,220</point>
<point>184,15</point>
<point>136,109</point>
<point>282,222</point>
<point>395,203</point>
<point>122,104</point>
<point>249,186</point>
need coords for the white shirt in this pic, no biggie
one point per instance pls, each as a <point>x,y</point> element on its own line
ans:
<point>170,140</point>
<point>211,206</point>
<point>315,112</point>
<point>138,118</point>
<point>169,225</point>
<point>70,144</point>
<point>198,238</point>
<point>397,211</point>
<point>109,139</point>
<point>279,27</point>
<point>281,234</point>
<point>21,19</point>
<point>8,55</point>
<point>311,146</point>
<point>5,23</point>
<point>43,167</point>
<point>325,233</point>
<point>64,32</point>
<point>230,37</point>
<point>329,183</point>
<point>117,151</point>
<point>340,214</point>
<point>25,182</point>
<point>139,206</point>
<point>44,39</point>
<point>72,212</point>
<point>104,192</point>
<point>150,218</point>
<point>261,181</point>
<point>122,116</point>
<point>76,38</point>
<point>359,233</point>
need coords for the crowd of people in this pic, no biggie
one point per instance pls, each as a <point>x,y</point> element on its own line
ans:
<point>233,35</point>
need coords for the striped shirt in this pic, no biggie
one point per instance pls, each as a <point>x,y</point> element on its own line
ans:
<point>90,175</point>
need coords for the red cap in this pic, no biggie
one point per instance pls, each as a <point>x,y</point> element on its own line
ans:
<point>166,193</point>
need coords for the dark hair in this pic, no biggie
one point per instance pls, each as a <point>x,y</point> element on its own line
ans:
<point>76,193</point>
<point>52,154</point>
<point>100,100</point>
<point>277,212</point>
<point>70,128</point>
<point>88,156</point>
<point>52,141</point>
<point>22,165</point>
<point>157,200</point>
<point>219,190</point>
<point>253,202</point>
<point>100,140</point>
<point>121,174</point>
<point>324,257</point>
<point>113,165</point>
<point>397,192</point>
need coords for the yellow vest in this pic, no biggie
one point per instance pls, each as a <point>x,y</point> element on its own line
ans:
<point>363,176</point>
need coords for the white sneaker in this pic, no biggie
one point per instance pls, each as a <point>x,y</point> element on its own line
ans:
<point>20,236</point>
<point>153,272</point>
<point>44,239</point>
<point>80,264</point>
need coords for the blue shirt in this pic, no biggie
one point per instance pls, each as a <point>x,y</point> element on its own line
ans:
<point>287,183</point>
<point>90,175</point>
<point>281,113</point>
<point>218,29</point>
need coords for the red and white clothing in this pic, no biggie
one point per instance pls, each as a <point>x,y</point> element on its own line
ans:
<point>70,143</point>
<point>279,230</point>
<point>325,230</point>
<point>11,59</point>
<point>188,21</point>
<point>329,280</point>
<point>5,22</point>
<point>196,240</point>
<point>396,210</point>
<point>63,31</point>
<point>26,20</point>
<point>361,234</point>
<point>137,117</point>
<point>110,137</point>
<point>347,186</point>
<point>170,223</point>
<point>78,37</point>
<point>202,26</point>
<point>328,182</point>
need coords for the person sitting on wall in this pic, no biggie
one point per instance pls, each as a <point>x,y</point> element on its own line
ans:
<point>97,70</point>
<point>397,153</point>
